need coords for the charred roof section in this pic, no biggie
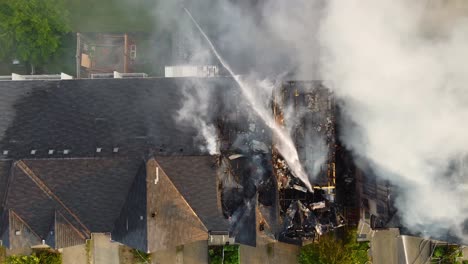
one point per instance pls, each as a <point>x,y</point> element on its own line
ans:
<point>307,110</point>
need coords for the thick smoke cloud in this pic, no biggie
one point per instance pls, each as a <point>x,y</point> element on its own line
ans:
<point>403,82</point>
<point>252,47</point>
<point>398,68</point>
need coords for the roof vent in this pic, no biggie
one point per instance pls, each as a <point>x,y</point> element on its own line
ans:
<point>19,77</point>
<point>33,152</point>
<point>51,151</point>
<point>141,217</point>
<point>5,152</point>
<point>191,71</point>
<point>115,150</point>
<point>64,76</point>
<point>119,75</point>
<point>98,150</point>
<point>102,75</point>
<point>66,151</point>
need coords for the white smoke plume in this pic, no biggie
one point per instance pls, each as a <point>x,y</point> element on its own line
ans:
<point>404,85</point>
<point>398,69</point>
<point>195,112</point>
<point>283,140</point>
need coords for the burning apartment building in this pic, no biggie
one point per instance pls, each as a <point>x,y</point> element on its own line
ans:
<point>103,150</point>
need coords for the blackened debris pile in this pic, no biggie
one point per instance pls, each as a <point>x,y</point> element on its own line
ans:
<point>307,110</point>
<point>246,181</point>
<point>259,193</point>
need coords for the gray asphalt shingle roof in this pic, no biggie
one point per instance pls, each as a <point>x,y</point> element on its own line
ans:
<point>137,116</point>
<point>81,115</point>
<point>195,178</point>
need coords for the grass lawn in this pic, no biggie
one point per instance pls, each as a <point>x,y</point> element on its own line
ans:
<point>111,15</point>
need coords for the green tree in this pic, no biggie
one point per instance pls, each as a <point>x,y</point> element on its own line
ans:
<point>331,250</point>
<point>31,30</point>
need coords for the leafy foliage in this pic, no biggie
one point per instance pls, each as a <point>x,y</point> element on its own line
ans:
<point>230,252</point>
<point>31,30</point>
<point>141,257</point>
<point>330,250</point>
<point>38,257</point>
<point>446,254</point>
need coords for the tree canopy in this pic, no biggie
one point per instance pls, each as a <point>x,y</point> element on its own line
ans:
<point>31,30</point>
<point>330,250</point>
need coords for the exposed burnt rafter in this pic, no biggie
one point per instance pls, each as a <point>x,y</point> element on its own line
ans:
<point>307,111</point>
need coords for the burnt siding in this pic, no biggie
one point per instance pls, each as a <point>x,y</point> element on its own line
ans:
<point>129,228</point>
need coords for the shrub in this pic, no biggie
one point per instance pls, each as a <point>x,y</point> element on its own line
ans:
<point>141,257</point>
<point>331,250</point>
<point>231,254</point>
<point>38,257</point>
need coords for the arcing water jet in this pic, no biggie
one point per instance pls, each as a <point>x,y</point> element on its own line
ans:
<point>285,144</point>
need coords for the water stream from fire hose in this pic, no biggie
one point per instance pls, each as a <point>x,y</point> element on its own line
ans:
<point>284,142</point>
